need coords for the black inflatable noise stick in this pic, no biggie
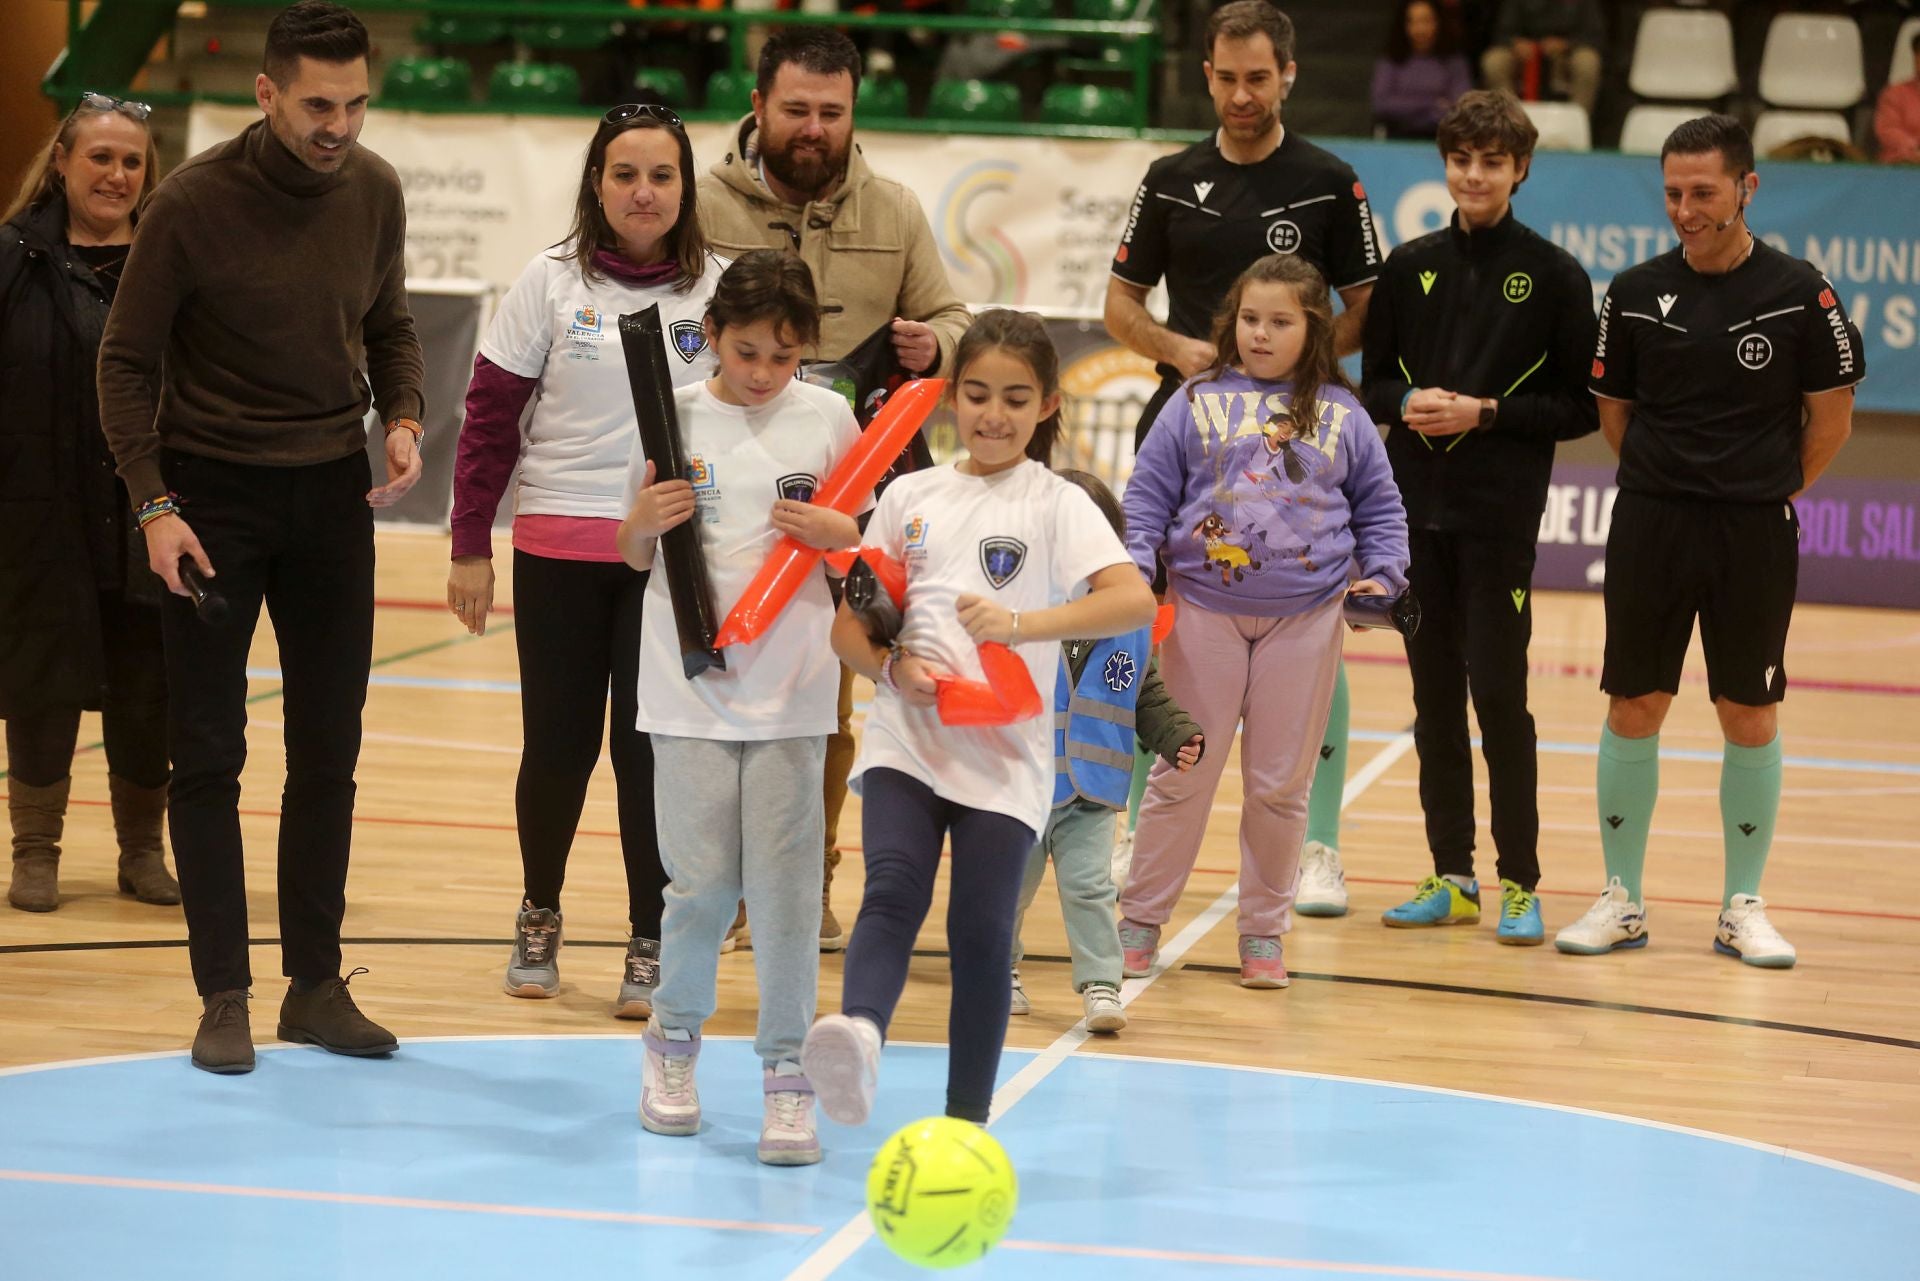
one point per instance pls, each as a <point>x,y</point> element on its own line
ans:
<point>688,585</point>
<point>1401,613</point>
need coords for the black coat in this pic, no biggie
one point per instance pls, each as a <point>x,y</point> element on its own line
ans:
<point>66,529</point>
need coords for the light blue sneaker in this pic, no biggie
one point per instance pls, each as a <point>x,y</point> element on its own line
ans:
<point>1436,901</point>
<point>1519,917</point>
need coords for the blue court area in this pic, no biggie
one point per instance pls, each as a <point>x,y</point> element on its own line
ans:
<point>516,1158</point>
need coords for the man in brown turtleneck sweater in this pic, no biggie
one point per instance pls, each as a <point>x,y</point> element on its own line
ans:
<point>267,269</point>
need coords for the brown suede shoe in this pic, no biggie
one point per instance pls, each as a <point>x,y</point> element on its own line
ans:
<point>139,813</point>
<point>325,1015</point>
<point>224,1043</point>
<point>39,817</point>
<point>832,937</point>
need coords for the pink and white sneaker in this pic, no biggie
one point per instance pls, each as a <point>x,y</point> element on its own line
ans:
<point>1260,962</point>
<point>841,1057</point>
<point>1139,945</point>
<point>787,1132</point>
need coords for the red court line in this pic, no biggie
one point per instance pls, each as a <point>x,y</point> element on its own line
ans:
<point>404,1202</point>
<point>1591,671</point>
<point>381,820</point>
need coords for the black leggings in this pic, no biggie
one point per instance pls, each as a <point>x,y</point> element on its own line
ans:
<point>903,824</point>
<point>577,627</point>
<point>133,717</point>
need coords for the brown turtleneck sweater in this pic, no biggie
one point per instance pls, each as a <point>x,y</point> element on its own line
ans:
<point>255,290</point>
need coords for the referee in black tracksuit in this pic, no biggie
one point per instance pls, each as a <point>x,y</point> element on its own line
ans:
<point>1476,353</point>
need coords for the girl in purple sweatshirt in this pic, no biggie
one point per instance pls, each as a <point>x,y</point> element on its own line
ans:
<point>1260,487</point>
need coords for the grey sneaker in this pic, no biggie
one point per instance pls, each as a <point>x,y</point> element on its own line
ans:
<point>1021,1005</point>
<point>535,968</point>
<point>638,979</point>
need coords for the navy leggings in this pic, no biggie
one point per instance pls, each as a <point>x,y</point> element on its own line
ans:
<point>903,825</point>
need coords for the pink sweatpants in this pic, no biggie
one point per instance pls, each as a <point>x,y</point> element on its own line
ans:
<point>1275,676</point>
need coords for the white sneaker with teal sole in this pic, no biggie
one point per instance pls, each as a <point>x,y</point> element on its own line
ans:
<point>1323,883</point>
<point>1613,922</point>
<point>1745,932</point>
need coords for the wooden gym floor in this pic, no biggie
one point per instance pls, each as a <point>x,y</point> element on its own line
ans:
<point>1822,1059</point>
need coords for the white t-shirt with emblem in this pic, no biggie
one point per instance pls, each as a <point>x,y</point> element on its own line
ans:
<point>786,684</point>
<point>580,430</point>
<point>1025,539</point>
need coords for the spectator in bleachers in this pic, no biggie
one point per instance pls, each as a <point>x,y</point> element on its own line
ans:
<point>1422,73</point>
<point>1896,122</point>
<point>1542,46</point>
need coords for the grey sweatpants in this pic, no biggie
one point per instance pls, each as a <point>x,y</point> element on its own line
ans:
<point>740,820</point>
<point>1079,840</point>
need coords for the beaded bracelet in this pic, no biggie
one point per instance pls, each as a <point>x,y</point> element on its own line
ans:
<point>168,504</point>
<point>886,664</point>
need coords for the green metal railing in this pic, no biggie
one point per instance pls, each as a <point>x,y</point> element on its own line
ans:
<point>106,51</point>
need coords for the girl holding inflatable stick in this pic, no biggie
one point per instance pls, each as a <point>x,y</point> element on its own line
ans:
<point>998,550</point>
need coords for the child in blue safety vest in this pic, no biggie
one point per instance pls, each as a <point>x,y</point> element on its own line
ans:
<point>1107,692</point>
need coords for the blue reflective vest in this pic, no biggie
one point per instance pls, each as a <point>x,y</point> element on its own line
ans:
<point>1093,721</point>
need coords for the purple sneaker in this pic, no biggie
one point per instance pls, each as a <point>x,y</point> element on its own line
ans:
<point>787,1134</point>
<point>669,1100</point>
<point>1139,945</point>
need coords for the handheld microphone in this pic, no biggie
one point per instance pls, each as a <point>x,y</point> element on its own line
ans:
<point>210,605</point>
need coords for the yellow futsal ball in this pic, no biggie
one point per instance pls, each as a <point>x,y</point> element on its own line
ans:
<point>941,1192</point>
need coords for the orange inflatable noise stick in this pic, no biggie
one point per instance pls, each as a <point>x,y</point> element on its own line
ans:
<point>789,563</point>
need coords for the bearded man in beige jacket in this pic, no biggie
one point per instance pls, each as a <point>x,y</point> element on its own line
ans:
<point>794,179</point>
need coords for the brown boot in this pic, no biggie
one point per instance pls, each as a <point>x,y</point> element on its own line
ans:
<point>325,1015</point>
<point>832,937</point>
<point>138,815</point>
<point>39,815</point>
<point>224,1043</point>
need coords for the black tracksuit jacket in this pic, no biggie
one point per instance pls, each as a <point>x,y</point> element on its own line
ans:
<point>1504,313</point>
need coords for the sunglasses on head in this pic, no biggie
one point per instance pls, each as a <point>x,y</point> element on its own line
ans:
<point>91,101</point>
<point>628,110</point>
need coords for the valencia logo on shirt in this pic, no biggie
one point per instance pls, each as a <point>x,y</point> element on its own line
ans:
<point>689,339</point>
<point>1001,559</point>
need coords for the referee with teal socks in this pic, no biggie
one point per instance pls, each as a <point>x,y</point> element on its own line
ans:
<point>1725,373</point>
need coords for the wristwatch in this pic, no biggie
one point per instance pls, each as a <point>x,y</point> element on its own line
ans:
<point>408,424</point>
<point>1489,409</point>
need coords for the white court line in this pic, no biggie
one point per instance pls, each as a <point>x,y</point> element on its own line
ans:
<point>853,1234</point>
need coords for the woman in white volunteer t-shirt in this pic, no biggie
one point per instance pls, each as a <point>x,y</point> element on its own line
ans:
<point>555,343</point>
<point>997,548</point>
<point>739,751</point>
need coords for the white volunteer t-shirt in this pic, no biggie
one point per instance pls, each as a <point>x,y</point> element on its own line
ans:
<point>786,684</point>
<point>1027,540</point>
<point>555,326</point>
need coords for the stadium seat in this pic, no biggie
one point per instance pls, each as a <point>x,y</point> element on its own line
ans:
<point>1086,105</point>
<point>1019,10</point>
<point>440,29</point>
<point>426,82</point>
<point>730,91</point>
<point>1647,126</point>
<point>985,101</point>
<point>533,84</point>
<point>1563,126</point>
<point>1777,128</point>
<point>1115,10</point>
<point>670,84</point>
<point>882,98</point>
<point>1812,60</point>
<point>1683,54</point>
<point>1902,69</point>
<point>554,35</point>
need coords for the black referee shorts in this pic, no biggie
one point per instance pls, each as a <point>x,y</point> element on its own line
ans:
<point>1735,565</point>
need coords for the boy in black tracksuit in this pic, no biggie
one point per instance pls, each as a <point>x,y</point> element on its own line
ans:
<point>1476,352</point>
